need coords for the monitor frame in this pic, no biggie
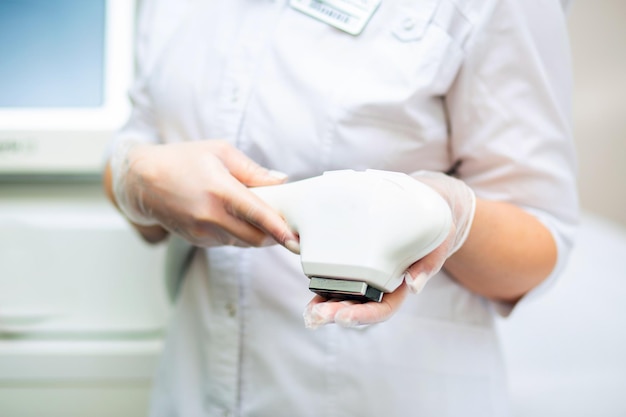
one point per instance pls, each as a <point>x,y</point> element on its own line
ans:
<point>72,141</point>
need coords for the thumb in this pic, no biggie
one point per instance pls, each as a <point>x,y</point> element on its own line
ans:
<point>247,171</point>
<point>418,274</point>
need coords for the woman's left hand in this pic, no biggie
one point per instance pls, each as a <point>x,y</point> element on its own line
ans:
<point>348,313</point>
<point>462,203</point>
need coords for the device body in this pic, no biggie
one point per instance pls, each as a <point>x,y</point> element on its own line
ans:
<point>360,231</point>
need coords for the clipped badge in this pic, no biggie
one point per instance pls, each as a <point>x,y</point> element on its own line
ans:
<point>350,16</point>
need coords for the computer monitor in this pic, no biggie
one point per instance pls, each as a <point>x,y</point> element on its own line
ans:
<point>65,69</point>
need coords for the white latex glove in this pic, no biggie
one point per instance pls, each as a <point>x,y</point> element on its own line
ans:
<point>198,190</point>
<point>462,202</point>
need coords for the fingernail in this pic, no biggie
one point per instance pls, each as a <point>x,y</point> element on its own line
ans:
<point>293,246</point>
<point>416,285</point>
<point>277,174</point>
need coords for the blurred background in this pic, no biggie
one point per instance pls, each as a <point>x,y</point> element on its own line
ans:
<point>82,303</point>
<point>598,34</point>
<point>564,350</point>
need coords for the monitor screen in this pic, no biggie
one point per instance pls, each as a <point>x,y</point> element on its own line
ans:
<point>65,69</point>
<point>52,53</point>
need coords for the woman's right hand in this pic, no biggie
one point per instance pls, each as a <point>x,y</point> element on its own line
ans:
<point>199,191</point>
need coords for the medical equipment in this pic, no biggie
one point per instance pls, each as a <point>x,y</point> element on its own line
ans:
<point>66,69</point>
<point>82,306</point>
<point>359,231</point>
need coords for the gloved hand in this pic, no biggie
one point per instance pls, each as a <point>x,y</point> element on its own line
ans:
<point>199,191</point>
<point>462,202</point>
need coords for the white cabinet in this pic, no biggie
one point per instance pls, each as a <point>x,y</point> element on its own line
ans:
<point>82,305</point>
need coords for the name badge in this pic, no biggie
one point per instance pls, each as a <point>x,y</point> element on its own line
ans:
<point>351,16</point>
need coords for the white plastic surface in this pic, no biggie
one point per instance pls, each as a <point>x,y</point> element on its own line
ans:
<point>82,305</point>
<point>365,226</point>
<point>70,266</point>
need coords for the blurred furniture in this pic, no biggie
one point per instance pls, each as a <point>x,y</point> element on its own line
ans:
<point>82,305</point>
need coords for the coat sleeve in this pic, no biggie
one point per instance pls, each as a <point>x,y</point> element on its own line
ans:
<point>510,117</point>
<point>156,22</point>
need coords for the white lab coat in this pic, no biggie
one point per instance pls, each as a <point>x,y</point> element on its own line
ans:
<point>481,86</point>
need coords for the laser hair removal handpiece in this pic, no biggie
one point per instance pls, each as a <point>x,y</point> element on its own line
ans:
<point>360,230</point>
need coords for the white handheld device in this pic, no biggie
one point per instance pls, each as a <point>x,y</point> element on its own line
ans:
<point>360,231</point>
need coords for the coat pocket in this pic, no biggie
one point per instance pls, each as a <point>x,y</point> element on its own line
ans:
<point>418,366</point>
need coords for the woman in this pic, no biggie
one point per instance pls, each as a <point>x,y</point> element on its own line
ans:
<point>477,89</point>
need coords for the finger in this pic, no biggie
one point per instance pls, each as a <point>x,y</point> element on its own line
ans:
<point>235,232</point>
<point>208,231</point>
<point>418,274</point>
<point>371,312</point>
<point>321,311</point>
<point>350,313</point>
<point>246,170</point>
<point>247,206</point>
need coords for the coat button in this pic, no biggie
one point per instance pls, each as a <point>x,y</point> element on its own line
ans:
<point>235,95</point>
<point>408,23</point>
<point>231,309</point>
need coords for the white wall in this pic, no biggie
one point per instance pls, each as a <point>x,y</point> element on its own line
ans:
<point>598,34</point>
<point>565,349</point>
